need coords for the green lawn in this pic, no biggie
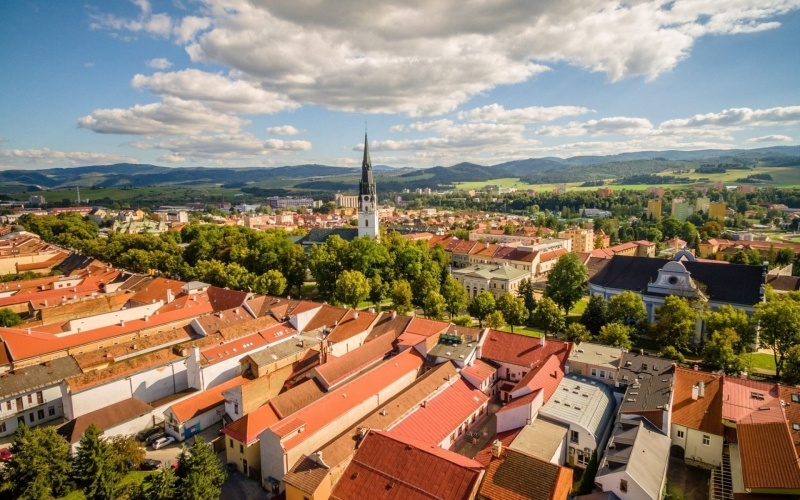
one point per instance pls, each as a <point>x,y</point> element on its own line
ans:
<point>763,361</point>
<point>136,476</point>
<point>578,308</point>
<point>524,330</point>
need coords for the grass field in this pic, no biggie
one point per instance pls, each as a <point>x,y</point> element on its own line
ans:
<point>762,360</point>
<point>524,330</point>
<point>782,177</point>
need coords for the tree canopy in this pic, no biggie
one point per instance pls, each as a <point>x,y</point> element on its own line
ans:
<point>566,281</point>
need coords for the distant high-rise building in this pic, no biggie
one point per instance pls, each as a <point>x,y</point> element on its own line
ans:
<point>654,209</point>
<point>368,198</point>
<point>680,209</point>
<point>702,204</point>
<point>717,209</point>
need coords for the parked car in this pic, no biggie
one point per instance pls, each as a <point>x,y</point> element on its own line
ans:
<point>155,437</point>
<point>150,464</point>
<point>5,454</point>
<point>146,433</point>
<point>162,442</point>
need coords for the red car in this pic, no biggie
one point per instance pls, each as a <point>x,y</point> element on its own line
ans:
<point>5,455</point>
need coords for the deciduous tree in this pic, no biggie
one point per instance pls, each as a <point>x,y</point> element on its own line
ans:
<point>513,309</point>
<point>615,335</point>
<point>676,322</point>
<point>626,308</point>
<point>434,305</point>
<point>9,318</point>
<point>528,294</point>
<point>779,319</point>
<point>566,281</point>
<point>401,296</point>
<point>271,282</point>
<point>455,295</point>
<point>737,319</point>
<point>548,316</point>
<point>596,314</point>
<point>719,352</point>
<point>495,320</point>
<point>351,288</point>
<point>576,332</point>
<point>482,306</point>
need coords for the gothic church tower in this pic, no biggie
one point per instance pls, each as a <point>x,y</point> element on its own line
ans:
<point>367,198</point>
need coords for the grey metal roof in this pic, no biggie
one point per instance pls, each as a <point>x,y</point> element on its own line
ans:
<point>649,382</point>
<point>581,401</point>
<point>38,377</point>
<point>641,450</point>
<point>266,357</point>
<point>596,354</point>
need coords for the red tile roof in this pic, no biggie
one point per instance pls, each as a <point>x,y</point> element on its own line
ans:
<point>337,370</point>
<point>157,290</point>
<point>299,396</point>
<point>327,316</point>
<point>792,409</point>
<point>751,401</point>
<point>442,414</point>
<point>546,377</point>
<point>247,428</point>
<point>519,476</point>
<point>484,456</point>
<point>200,403</point>
<point>479,370</point>
<point>769,459</point>
<point>703,414</point>
<point>353,323</point>
<point>521,350</point>
<point>336,403</point>
<point>388,467</point>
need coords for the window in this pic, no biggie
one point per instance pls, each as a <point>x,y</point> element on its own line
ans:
<point>796,427</point>
<point>31,418</point>
<point>19,404</point>
<point>231,442</point>
<point>602,374</point>
<point>623,485</point>
<point>680,434</point>
<point>51,411</point>
<point>795,398</point>
<point>706,440</point>
<point>236,408</point>
<point>30,398</point>
<point>573,436</point>
<point>241,448</point>
<point>39,397</point>
<point>8,405</point>
<point>594,372</point>
<point>3,427</point>
<point>40,414</point>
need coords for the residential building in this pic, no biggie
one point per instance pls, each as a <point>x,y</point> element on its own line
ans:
<point>634,465</point>
<point>582,239</point>
<point>199,412</point>
<point>697,416</point>
<point>717,210</point>
<point>517,475</point>
<point>654,209</point>
<point>516,355</point>
<point>495,279</point>
<point>768,458</point>
<point>588,408</point>
<point>600,362</point>
<point>680,209</point>
<point>278,203</point>
<point>409,468</point>
<point>648,383</point>
<point>702,204</point>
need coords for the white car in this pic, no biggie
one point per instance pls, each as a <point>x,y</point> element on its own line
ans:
<point>162,442</point>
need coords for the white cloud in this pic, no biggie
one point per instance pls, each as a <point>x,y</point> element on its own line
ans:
<point>159,63</point>
<point>619,125</point>
<point>158,25</point>
<point>88,64</point>
<point>171,117</point>
<point>189,27</point>
<point>230,148</point>
<point>771,138</point>
<point>738,117</point>
<point>171,159</point>
<point>282,130</point>
<point>215,91</point>
<point>46,156</point>
<point>533,114</point>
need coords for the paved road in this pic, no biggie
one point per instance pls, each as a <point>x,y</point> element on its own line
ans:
<point>240,487</point>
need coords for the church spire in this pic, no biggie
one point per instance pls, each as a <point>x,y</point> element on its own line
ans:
<point>367,184</point>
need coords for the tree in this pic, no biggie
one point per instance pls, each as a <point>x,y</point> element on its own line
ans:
<point>586,484</point>
<point>596,314</point>
<point>127,452</point>
<point>577,332</point>
<point>719,352</point>
<point>737,319</point>
<point>270,283</point>
<point>200,475</point>
<point>676,322</point>
<point>378,290</point>
<point>791,366</point>
<point>94,466</point>
<point>434,305</point>
<point>40,464</point>
<point>425,284</point>
<point>528,294</point>
<point>626,308</point>
<point>482,306</point>
<point>351,288</point>
<point>162,486</point>
<point>401,296</point>
<point>463,320</point>
<point>548,316</point>
<point>670,352</point>
<point>455,295</point>
<point>779,319</point>
<point>495,320</point>
<point>9,318</point>
<point>615,335</point>
<point>326,263</point>
<point>566,281</point>
<point>513,309</point>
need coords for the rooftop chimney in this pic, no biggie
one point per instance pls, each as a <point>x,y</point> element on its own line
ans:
<point>355,315</point>
<point>394,314</point>
<point>696,367</point>
<point>695,392</point>
<point>543,340</point>
<point>701,389</point>
<point>497,448</point>
<point>170,295</point>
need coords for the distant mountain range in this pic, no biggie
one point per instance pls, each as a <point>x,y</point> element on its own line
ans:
<point>326,178</point>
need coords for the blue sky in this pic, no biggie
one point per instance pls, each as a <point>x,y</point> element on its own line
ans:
<point>436,82</point>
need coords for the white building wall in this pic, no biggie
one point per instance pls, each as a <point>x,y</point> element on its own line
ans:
<point>520,416</point>
<point>339,349</point>
<point>51,402</point>
<point>112,318</point>
<point>692,443</point>
<point>611,482</point>
<point>199,423</point>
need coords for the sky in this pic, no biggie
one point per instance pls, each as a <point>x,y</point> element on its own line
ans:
<point>434,82</point>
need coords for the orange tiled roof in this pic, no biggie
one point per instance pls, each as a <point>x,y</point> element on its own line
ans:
<point>519,476</point>
<point>200,403</point>
<point>337,370</point>
<point>520,350</point>
<point>703,414</point>
<point>353,323</point>
<point>247,428</point>
<point>546,377</point>
<point>769,459</point>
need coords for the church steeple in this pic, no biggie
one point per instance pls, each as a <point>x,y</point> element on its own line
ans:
<point>367,198</point>
<point>367,184</point>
